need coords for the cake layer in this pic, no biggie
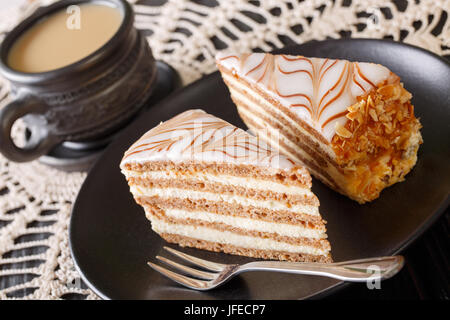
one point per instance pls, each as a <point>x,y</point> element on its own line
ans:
<point>251,225</point>
<point>232,238</point>
<point>298,175</point>
<point>198,185</point>
<point>186,241</point>
<point>274,231</point>
<point>225,179</point>
<point>232,199</point>
<point>231,209</point>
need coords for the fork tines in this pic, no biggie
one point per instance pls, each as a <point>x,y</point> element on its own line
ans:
<point>193,278</point>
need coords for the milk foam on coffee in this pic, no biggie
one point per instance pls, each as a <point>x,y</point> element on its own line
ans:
<point>64,37</point>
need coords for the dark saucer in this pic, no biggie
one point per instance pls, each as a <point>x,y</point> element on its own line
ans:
<point>79,156</point>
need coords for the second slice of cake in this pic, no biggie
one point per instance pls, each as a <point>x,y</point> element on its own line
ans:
<point>350,123</point>
<point>207,184</point>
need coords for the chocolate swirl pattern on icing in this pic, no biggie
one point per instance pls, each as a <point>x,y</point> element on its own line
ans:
<point>317,90</point>
<point>195,135</point>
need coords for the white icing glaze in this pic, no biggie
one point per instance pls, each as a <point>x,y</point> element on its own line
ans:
<point>317,90</point>
<point>195,135</point>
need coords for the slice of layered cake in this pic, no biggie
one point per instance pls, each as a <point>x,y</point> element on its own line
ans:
<point>207,184</point>
<point>351,124</point>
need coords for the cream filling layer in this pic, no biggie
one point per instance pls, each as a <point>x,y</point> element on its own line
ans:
<point>226,237</point>
<point>238,85</point>
<point>257,184</point>
<point>283,229</point>
<point>168,193</point>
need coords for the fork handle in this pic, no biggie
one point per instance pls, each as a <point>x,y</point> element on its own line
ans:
<point>379,268</point>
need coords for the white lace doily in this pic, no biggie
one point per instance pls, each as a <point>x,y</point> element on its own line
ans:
<point>35,201</point>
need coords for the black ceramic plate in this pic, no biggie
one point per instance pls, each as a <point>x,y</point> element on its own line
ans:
<point>111,241</point>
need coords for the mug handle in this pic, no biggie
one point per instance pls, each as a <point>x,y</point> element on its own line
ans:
<point>41,141</point>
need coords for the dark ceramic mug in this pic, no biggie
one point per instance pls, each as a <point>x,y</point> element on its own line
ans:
<point>83,101</point>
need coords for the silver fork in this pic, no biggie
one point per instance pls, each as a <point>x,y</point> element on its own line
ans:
<point>379,268</point>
